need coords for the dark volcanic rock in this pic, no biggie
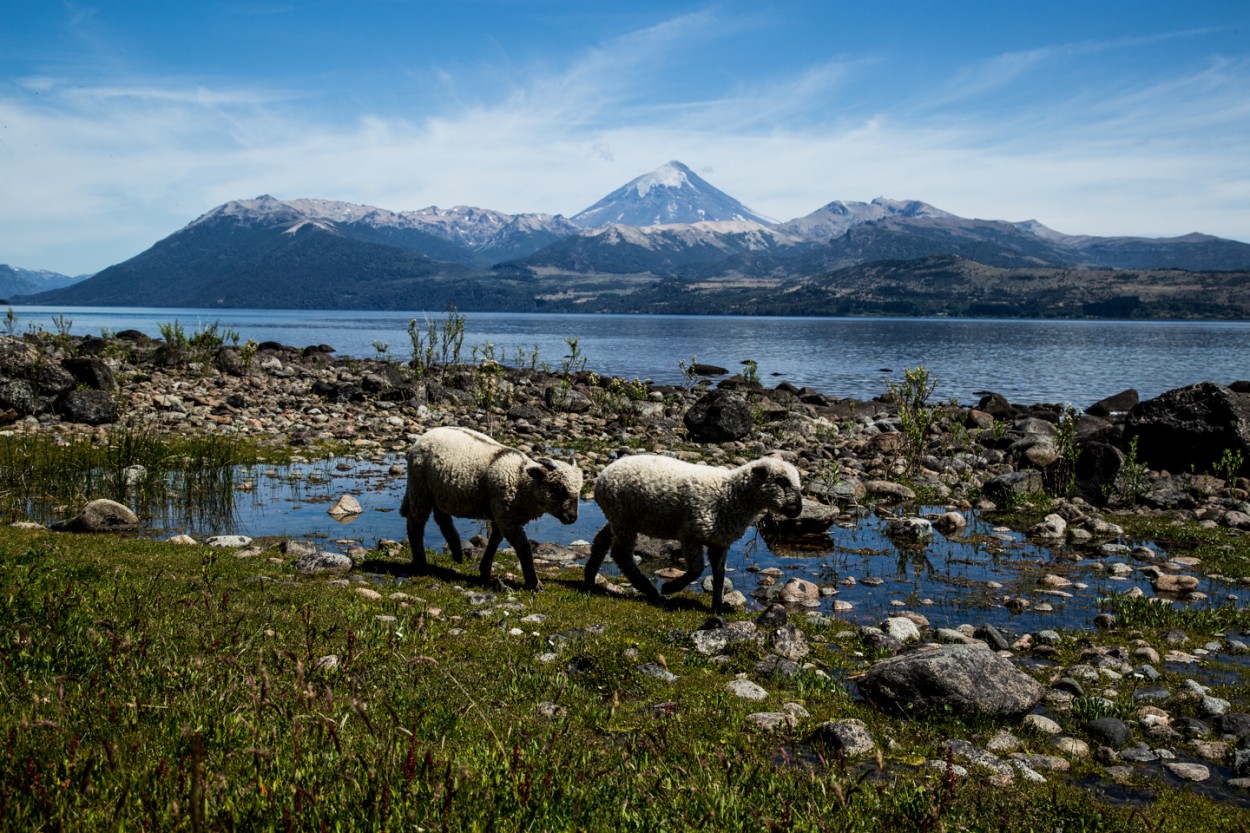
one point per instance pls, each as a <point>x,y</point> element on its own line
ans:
<point>1190,427</point>
<point>719,416</point>
<point>1110,731</point>
<point>964,679</point>
<point>1097,468</point>
<point>1117,403</point>
<point>91,407</point>
<point>90,371</point>
<point>17,396</point>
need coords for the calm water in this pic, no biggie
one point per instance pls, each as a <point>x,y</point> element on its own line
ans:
<point>1078,362</point>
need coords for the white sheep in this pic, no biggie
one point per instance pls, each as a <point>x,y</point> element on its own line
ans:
<point>693,504</point>
<point>463,473</point>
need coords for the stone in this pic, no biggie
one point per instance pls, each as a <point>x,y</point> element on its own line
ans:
<point>915,532</point>
<point>718,416</point>
<point>346,506</point>
<point>950,523</point>
<point>1190,428</point>
<point>90,407</point>
<point>1040,723</point>
<point>1174,583</point>
<point>746,689</point>
<point>91,371</point>
<point>1110,731</point>
<point>321,562</point>
<point>789,642</point>
<point>1097,468</point>
<point>814,519</point>
<point>1052,528</point>
<point>772,721</point>
<point>849,737</point>
<point>100,515</point>
<point>799,591</point>
<point>228,541</point>
<point>1188,771</point>
<point>962,679</point>
<point>658,672</point>
<point>900,628</point>
<point>1013,486</point>
<point>1117,403</point>
<point>1072,747</point>
<point>773,616</point>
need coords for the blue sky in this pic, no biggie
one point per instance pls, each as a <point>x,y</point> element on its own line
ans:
<point>120,122</point>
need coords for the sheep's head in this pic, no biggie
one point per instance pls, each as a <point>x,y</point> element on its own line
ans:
<point>559,487</point>
<point>779,485</point>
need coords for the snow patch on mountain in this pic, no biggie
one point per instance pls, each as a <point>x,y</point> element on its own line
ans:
<point>670,195</point>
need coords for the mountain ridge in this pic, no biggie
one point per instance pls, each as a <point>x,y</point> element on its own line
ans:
<point>281,253</point>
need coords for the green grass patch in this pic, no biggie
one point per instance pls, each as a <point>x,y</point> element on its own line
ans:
<point>147,686</point>
<point>1147,613</point>
<point>1222,550</point>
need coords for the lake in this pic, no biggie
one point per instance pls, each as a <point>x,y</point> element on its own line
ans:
<point>1077,362</point>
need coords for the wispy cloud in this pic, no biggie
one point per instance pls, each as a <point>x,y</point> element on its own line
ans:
<point>99,171</point>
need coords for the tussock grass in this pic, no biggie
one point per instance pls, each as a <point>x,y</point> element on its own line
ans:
<point>177,477</point>
<point>145,686</point>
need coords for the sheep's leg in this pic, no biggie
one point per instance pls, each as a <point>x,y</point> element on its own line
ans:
<point>526,556</point>
<point>716,556</point>
<point>488,557</point>
<point>598,550</point>
<point>417,514</point>
<point>692,551</point>
<point>623,555</point>
<point>450,534</point>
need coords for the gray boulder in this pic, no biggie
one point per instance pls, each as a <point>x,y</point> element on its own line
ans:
<point>101,515</point>
<point>849,737</point>
<point>719,416</point>
<point>1014,485</point>
<point>963,679</point>
<point>1190,427</point>
<point>813,520</point>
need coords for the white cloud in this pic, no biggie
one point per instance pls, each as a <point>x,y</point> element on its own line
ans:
<point>95,173</point>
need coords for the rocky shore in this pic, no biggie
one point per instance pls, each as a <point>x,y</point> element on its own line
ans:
<point>1182,456</point>
<point>1185,453</point>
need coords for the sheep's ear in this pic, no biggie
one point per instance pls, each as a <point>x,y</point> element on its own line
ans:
<point>537,471</point>
<point>572,459</point>
<point>760,473</point>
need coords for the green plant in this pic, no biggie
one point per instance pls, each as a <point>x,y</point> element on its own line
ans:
<point>916,416</point>
<point>438,344</point>
<point>62,338</point>
<point>1230,464</point>
<point>247,353</point>
<point>1062,475</point>
<point>10,323</point>
<point>689,376</point>
<point>1133,479</point>
<point>575,360</point>
<point>751,372</point>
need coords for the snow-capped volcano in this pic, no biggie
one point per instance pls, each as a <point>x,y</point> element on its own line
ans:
<point>671,194</point>
<point>836,218</point>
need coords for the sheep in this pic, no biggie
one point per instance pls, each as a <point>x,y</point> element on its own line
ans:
<point>693,504</point>
<point>463,473</point>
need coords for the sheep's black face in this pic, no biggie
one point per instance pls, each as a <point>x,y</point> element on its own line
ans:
<point>562,486</point>
<point>781,488</point>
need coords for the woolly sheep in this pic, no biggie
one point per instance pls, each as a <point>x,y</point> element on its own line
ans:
<point>463,473</point>
<point>693,504</point>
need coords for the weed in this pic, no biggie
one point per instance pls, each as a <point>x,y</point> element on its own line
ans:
<point>1133,480</point>
<point>911,398</point>
<point>1229,466</point>
<point>1062,475</point>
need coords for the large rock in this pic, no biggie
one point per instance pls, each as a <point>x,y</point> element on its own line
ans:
<point>17,396</point>
<point>962,679</point>
<point>1117,403</point>
<point>719,416</point>
<point>1190,428</point>
<point>101,515</point>
<point>19,360</point>
<point>1013,486</point>
<point>90,407</point>
<point>1097,467</point>
<point>90,371</point>
<point>815,518</point>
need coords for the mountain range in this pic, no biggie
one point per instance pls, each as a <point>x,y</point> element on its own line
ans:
<point>17,281</point>
<point>662,241</point>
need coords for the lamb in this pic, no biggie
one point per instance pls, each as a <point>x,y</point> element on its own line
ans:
<point>463,473</point>
<point>693,504</point>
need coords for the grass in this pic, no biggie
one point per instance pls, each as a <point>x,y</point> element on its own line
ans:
<point>1145,612</point>
<point>185,477</point>
<point>151,687</point>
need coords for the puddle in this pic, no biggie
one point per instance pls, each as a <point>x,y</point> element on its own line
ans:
<point>952,581</point>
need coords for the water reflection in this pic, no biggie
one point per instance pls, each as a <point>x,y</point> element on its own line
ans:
<point>952,581</point>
